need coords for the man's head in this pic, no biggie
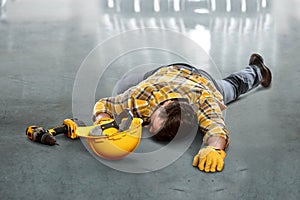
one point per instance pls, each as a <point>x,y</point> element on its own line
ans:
<point>170,117</point>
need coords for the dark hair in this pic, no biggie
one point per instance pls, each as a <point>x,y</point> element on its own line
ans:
<point>178,115</point>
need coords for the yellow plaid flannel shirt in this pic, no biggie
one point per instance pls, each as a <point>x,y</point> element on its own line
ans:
<point>169,83</point>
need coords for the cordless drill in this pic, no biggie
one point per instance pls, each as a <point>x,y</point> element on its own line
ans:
<point>68,128</point>
<point>47,136</point>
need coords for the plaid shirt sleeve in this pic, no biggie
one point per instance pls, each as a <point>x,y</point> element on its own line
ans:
<point>112,105</point>
<point>137,99</point>
<point>211,121</point>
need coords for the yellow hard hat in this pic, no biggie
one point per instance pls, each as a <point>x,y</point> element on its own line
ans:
<point>116,145</point>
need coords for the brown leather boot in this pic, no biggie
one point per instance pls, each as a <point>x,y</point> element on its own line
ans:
<point>256,59</point>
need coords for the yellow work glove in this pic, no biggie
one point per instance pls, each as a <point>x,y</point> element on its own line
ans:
<point>103,120</point>
<point>108,126</point>
<point>210,159</point>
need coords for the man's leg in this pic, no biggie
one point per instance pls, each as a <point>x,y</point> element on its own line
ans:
<point>227,91</point>
<point>247,79</point>
<point>240,83</point>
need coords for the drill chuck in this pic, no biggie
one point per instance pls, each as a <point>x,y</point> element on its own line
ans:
<point>41,135</point>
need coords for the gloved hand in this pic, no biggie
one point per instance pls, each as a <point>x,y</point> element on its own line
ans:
<point>103,120</point>
<point>108,127</point>
<point>210,159</point>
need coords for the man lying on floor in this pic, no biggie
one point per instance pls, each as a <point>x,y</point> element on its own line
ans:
<point>181,96</point>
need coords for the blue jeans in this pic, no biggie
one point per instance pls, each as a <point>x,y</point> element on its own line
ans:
<point>231,87</point>
<point>240,83</point>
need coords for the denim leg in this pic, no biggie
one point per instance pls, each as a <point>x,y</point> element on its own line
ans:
<point>228,91</point>
<point>240,82</point>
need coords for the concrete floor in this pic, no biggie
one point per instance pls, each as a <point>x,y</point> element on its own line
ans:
<point>44,43</point>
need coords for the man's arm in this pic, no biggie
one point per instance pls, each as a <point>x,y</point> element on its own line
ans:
<point>211,157</point>
<point>216,141</point>
<point>103,109</point>
<point>100,116</point>
<point>110,106</point>
<point>212,123</point>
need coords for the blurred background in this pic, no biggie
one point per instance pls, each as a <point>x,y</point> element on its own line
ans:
<point>44,43</point>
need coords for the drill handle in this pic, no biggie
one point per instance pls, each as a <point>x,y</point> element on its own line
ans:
<point>68,128</point>
<point>63,129</point>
